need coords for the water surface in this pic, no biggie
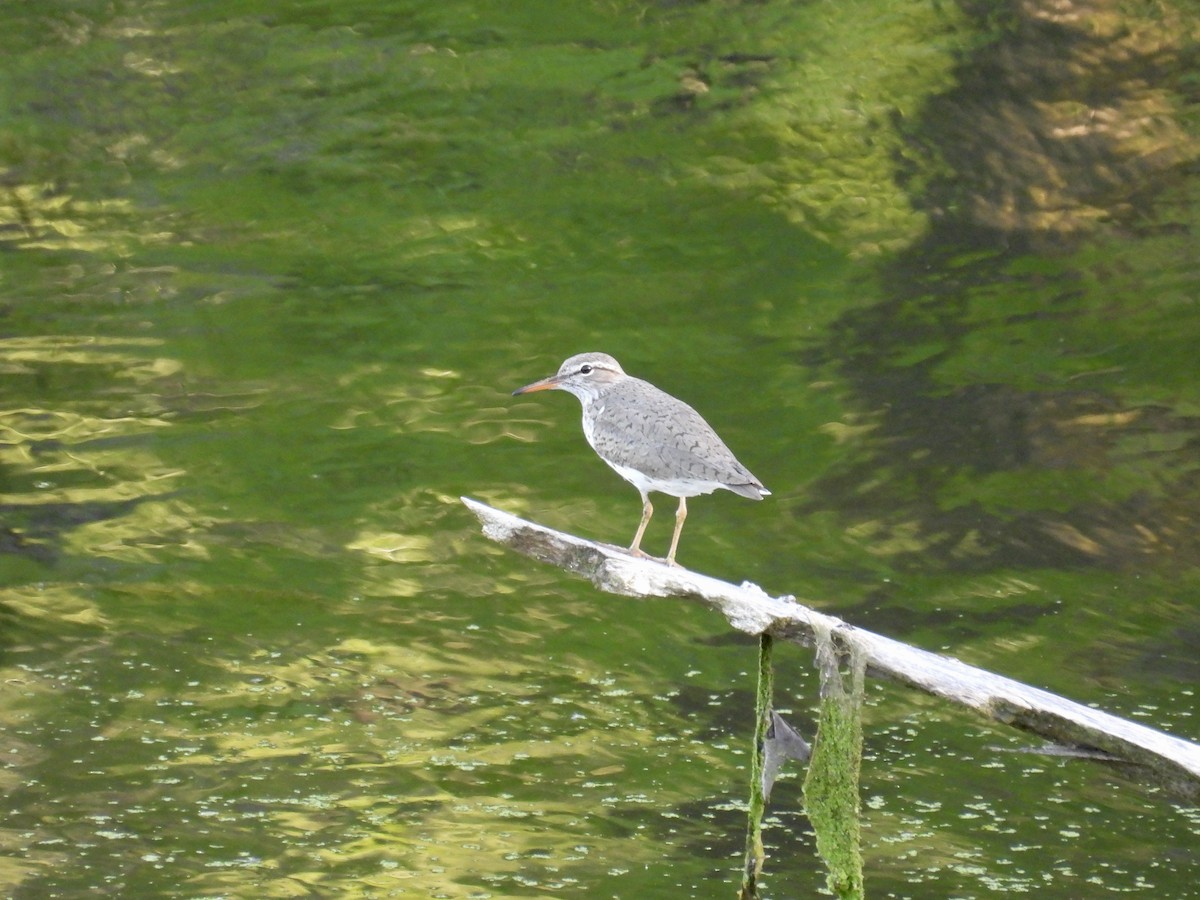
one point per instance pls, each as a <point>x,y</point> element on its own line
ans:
<point>269,278</point>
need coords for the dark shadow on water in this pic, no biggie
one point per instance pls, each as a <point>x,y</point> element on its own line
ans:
<point>41,526</point>
<point>1018,386</point>
<point>1065,121</point>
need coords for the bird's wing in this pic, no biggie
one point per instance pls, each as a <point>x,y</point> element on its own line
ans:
<point>647,429</point>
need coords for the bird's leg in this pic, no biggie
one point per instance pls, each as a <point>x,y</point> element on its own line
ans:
<point>680,515</point>
<point>647,511</point>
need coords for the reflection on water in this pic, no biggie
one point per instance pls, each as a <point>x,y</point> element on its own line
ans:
<point>267,282</point>
<point>79,462</point>
<point>1065,122</point>
<point>43,217</point>
<point>1020,411</point>
<point>989,475</point>
<point>345,750</point>
<point>930,836</point>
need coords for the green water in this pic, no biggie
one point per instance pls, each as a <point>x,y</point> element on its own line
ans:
<point>267,279</point>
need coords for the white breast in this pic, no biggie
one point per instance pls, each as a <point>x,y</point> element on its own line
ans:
<point>644,483</point>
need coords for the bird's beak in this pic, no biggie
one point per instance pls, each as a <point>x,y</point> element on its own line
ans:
<point>546,384</point>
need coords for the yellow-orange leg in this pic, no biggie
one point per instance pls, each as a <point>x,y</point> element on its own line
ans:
<point>680,515</point>
<point>647,511</point>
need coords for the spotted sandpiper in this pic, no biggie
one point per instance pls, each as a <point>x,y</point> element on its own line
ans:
<point>653,440</point>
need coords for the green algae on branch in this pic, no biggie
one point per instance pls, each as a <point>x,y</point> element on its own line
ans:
<point>755,854</point>
<point>831,786</point>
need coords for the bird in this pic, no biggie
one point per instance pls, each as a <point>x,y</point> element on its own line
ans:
<point>654,441</point>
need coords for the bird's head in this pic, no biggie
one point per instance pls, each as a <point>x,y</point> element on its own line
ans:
<point>586,375</point>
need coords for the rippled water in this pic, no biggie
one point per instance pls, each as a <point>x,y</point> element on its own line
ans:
<point>269,278</point>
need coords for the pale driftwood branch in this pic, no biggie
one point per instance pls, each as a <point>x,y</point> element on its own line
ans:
<point>1162,758</point>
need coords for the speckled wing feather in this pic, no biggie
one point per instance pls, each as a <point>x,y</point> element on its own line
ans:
<point>638,426</point>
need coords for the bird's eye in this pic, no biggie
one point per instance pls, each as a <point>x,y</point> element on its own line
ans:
<point>585,370</point>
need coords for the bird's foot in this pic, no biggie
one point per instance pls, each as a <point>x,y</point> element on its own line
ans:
<point>642,554</point>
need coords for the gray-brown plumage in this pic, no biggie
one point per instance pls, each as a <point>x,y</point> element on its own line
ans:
<point>653,440</point>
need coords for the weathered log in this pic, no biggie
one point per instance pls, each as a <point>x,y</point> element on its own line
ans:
<point>1139,751</point>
